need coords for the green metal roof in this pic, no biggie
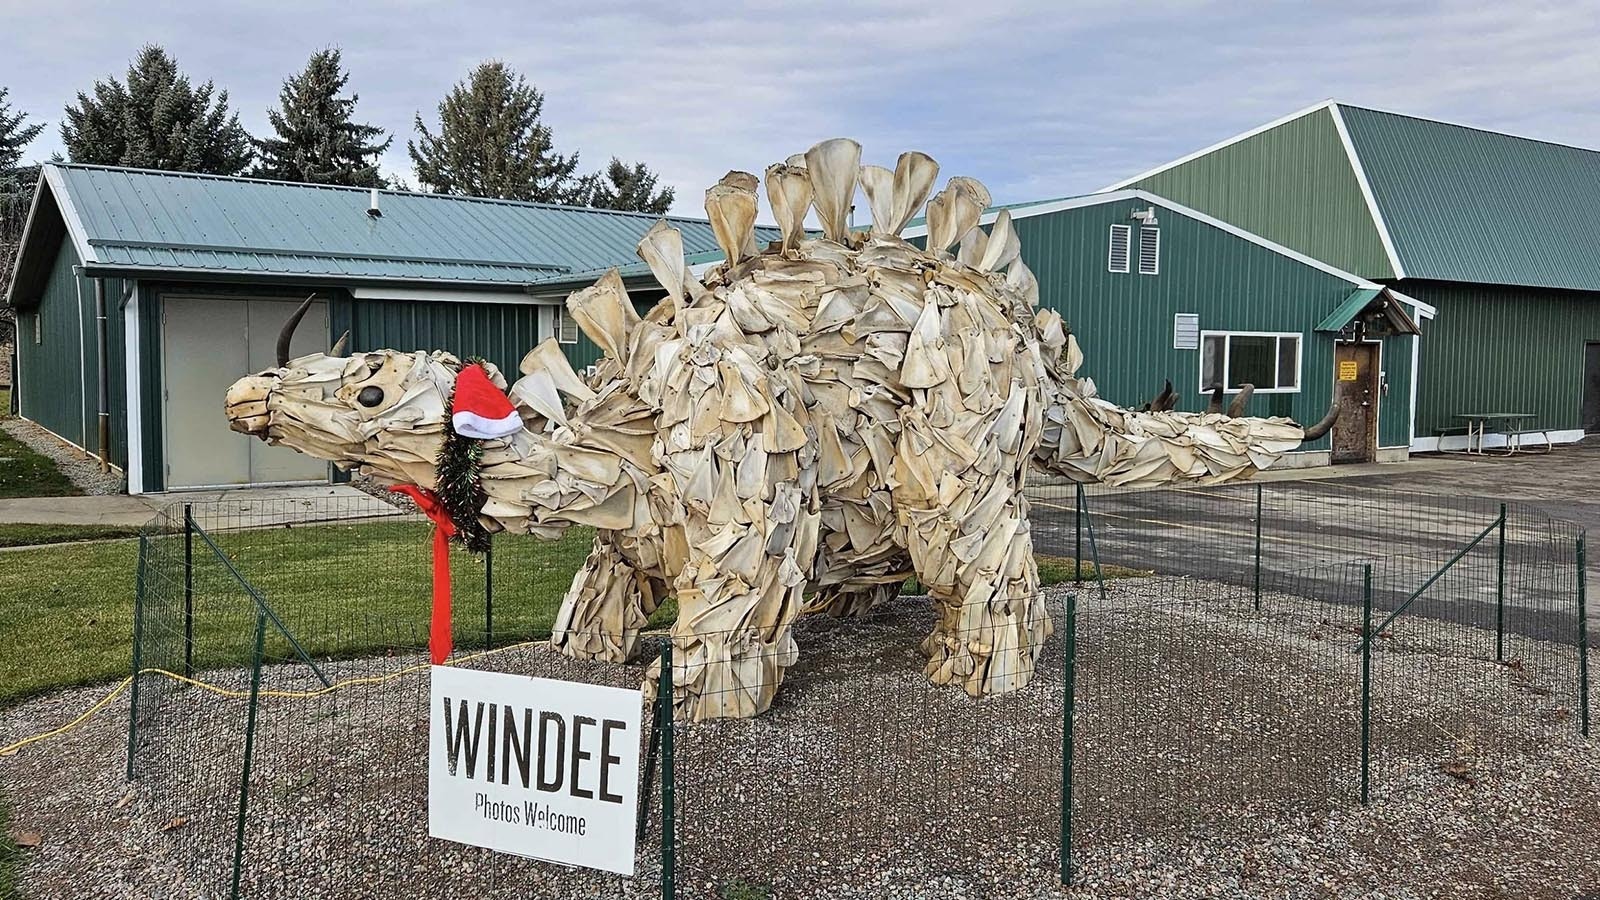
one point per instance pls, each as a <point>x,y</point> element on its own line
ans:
<point>134,220</point>
<point>1464,204</point>
<point>1347,309</point>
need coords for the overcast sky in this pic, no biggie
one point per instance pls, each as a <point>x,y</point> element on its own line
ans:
<point>1035,99</point>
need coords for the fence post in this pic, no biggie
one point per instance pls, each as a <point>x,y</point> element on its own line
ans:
<point>1500,592</point>
<point>249,749</point>
<point>652,757</point>
<point>1366,677</point>
<point>1094,546</point>
<point>1069,708</point>
<point>138,640</point>
<point>1077,535</point>
<point>488,596</point>
<point>1258,548</point>
<point>1583,638</point>
<point>188,591</point>
<point>669,806</point>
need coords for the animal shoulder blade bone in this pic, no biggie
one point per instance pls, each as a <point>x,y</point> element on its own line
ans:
<point>795,433</point>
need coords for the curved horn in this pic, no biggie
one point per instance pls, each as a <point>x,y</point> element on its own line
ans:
<point>1215,406</point>
<point>1322,427</point>
<point>1240,401</point>
<point>338,346</point>
<point>287,334</point>
<point>1166,400</point>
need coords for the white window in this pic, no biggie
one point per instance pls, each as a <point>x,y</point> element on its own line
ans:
<point>1149,251</point>
<point>1121,239</point>
<point>1186,331</point>
<point>568,328</point>
<point>1268,360</point>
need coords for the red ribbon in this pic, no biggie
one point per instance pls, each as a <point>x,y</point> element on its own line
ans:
<point>443,528</point>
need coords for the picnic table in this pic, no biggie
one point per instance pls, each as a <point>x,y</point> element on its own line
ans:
<point>1512,425</point>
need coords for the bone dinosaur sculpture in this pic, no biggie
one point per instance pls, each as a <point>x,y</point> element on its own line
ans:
<point>798,432</point>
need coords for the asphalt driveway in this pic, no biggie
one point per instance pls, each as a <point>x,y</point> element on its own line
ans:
<point>1319,527</point>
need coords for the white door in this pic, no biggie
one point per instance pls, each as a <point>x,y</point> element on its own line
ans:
<point>206,345</point>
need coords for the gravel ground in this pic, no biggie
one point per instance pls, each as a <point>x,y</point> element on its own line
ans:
<point>81,469</point>
<point>1215,755</point>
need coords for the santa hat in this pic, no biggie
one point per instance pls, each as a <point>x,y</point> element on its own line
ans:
<point>481,410</point>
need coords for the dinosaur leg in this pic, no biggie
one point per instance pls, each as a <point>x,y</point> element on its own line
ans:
<point>973,553</point>
<point>738,597</point>
<point>608,603</point>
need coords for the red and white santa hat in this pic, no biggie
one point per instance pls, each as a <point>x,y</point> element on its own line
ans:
<point>481,410</point>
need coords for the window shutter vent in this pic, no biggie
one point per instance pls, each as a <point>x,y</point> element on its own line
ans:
<point>1186,331</point>
<point>568,333</point>
<point>1149,251</point>
<point>1121,239</point>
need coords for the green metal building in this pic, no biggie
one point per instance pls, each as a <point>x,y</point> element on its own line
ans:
<point>1494,231</point>
<point>1155,291</point>
<point>195,275</point>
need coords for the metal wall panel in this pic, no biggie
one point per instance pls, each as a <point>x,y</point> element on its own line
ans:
<point>51,372</point>
<point>60,375</point>
<point>1503,349</point>
<point>1124,321</point>
<point>1292,184</point>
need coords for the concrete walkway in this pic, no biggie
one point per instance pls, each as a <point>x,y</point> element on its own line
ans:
<point>262,506</point>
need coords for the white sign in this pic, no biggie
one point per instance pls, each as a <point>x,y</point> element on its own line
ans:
<point>540,768</point>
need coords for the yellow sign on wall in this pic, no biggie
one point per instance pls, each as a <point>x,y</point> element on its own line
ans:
<point>1347,370</point>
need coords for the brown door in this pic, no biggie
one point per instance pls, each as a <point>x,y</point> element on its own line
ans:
<point>1355,390</point>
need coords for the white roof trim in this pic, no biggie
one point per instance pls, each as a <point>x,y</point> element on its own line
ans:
<point>1041,209</point>
<point>1366,191</point>
<point>75,230</point>
<point>69,213</point>
<point>1423,310</point>
<point>1326,104</point>
<point>443,294</point>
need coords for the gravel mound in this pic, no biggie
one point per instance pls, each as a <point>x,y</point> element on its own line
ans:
<point>1216,755</point>
<point>81,469</point>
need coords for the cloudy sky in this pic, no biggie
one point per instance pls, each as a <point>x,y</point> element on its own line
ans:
<point>1036,99</point>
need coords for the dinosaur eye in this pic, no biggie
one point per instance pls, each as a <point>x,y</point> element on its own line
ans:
<point>370,396</point>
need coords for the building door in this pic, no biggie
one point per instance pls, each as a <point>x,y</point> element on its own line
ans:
<point>1355,390</point>
<point>206,345</point>
<point>1591,388</point>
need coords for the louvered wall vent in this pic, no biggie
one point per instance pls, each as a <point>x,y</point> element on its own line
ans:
<point>1121,241</point>
<point>1149,251</point>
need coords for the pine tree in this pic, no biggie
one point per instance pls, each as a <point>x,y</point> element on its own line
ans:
<point>622,186</point>
<point>156,121</point>
<point>16,190</point>
<point>317,141</point>
<point>491,142</point>
<point>14,136</point>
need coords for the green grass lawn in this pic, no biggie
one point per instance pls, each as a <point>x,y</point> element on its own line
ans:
<point>341,589</point>
<point>15,534</point>
<point>24,473</point>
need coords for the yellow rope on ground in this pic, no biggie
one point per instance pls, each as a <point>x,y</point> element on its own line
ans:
<point>103,702</point>
<point>11,749</point>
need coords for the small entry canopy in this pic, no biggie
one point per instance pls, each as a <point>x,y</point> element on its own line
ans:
<point>1374,312</point>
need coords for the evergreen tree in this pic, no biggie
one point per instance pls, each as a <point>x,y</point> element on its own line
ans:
<point>316,139</point>
<point>14,136</point>
<point>491,142</point>
<point>156,121</point>
<point>16,191</point>
<point>622,186</point>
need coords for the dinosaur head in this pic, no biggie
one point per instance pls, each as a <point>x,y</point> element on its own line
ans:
<point>385,412</point>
